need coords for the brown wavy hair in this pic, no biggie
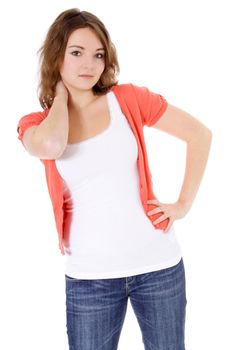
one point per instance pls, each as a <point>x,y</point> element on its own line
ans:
<point>51,53</point>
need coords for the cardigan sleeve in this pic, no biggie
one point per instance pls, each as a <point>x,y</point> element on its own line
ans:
<point>28,120</point>
<point>151,105</point>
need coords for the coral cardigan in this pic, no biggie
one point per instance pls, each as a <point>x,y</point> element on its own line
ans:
<point>141,107</point>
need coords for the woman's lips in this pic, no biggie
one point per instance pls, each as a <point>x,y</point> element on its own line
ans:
<point>86,76</point>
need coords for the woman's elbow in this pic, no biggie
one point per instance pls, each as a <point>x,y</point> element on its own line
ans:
<point>208,134</point>
<point>204,134</point>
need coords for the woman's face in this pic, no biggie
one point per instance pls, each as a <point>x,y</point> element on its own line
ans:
<point>84,54</point>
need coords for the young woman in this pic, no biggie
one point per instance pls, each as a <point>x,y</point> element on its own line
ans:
<point>118,238</point>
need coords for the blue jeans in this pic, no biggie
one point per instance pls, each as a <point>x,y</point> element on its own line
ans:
<point>96,309</point>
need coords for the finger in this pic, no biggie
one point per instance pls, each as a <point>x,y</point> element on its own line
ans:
<point>160,219</point>
<point>153,201</point>
<point>168,226</point>
<point>155,211</point>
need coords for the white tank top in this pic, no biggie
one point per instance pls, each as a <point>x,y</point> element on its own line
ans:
<point>107,233</point>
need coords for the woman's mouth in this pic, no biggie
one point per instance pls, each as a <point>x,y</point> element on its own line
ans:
<point>86,76</point>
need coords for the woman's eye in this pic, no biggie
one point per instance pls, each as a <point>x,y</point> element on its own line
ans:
<point>102,56</point>
<point>74,53</point>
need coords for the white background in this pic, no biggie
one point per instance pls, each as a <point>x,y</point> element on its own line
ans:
<point>181,49</point>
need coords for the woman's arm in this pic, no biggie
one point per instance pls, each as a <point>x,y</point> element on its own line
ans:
<point>198,138</point>
<point>48,139</point>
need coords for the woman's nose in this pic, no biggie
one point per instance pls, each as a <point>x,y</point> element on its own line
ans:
<point>88,62</point>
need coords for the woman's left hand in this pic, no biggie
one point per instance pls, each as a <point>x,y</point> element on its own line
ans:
<point>172,211</point>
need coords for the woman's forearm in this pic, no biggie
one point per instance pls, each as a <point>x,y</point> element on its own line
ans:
<point>53,130</point>
<point>196,159</point>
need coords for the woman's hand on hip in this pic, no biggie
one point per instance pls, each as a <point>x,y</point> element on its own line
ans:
<point>173,211</point>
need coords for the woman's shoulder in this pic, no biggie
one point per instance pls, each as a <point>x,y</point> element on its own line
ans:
<point>38,115</point>
<point>33,118</point>
<point>130,87</point>
<point>120,86</point>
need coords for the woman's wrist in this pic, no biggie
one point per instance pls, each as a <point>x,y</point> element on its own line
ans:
<point>61,99</point>
<point>185,205</point>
